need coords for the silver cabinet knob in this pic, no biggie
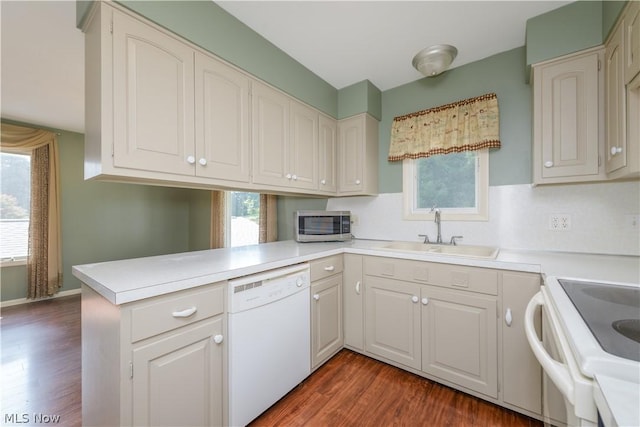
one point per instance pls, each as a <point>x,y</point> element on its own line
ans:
<point>191,160</point>
<point>425,301</point>
<point>202,161</point>
<point>508,317</point>
<point>294,177</point>
<point>548,164</point>
<point>323,182</point>
<point>316,297</point>
<point>415,298</point>
<point>616,150</point>
<point>218,339</point>
<point>357,182</point>
<point>288,176</point>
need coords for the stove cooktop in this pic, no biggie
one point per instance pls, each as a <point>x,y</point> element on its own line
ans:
<point>611,312</point>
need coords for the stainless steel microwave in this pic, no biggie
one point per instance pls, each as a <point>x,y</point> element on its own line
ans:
<point>322,226</point>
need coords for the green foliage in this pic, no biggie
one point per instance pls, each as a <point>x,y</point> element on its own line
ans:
<point>245,205</point>
<point>447,181</point>
<point>15,184</point>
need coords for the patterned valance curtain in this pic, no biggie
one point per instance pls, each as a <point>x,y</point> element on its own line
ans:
<point>468,125</point>
<point>44,262</point>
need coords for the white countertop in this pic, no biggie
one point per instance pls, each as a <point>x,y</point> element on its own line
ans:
<point>139,278</point>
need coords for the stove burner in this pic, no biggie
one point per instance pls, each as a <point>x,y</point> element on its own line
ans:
<point>630,328</point>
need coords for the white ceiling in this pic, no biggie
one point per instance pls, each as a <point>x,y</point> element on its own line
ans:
<point>343,42</point>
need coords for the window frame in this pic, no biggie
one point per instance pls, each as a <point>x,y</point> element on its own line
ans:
<point>15,261</point>
<point>480,213</point>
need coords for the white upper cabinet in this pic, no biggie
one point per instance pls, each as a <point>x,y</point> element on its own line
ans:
<point>153,95</point>
<point>631,24</point>
<point>222,120</point>
<point>358,155</point>
<point>327,154</point>
<point>568,116</point>
<point>615,136</point>
<point>270,135</point>
<point>303,151</point>
<point>285,140</point>
<point>161,110</point>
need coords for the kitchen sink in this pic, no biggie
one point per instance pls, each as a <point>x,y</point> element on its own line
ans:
<point>469,251</point>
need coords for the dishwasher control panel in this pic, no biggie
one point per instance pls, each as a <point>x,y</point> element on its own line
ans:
<point>259,289</point>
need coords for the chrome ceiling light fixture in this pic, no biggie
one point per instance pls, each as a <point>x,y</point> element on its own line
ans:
<point>434,59</point>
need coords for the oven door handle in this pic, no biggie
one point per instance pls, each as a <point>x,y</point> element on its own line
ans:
<point>558,372</point>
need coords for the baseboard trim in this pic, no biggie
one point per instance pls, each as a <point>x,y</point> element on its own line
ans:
<point>19,301</point>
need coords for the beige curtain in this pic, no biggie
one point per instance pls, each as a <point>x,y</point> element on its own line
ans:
<point>44,263</point>
<point>268,218</point>
<point>468,125</point>
<point>218,219</point>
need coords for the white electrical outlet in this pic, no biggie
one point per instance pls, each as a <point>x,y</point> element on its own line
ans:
<point>632,221</point>
<point>560,222</point>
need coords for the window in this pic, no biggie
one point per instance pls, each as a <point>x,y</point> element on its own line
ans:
<point>15,194</point>
<point>457,183</point>
<point>243,215</point>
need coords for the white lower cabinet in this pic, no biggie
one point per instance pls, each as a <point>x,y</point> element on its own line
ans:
<point>444,321</point>
<point>353,293</point>
<point>155,362</point>
<point>392,320</point>
<point>521,372</point>
<point>327,336</point>
<point>459,338</point>
<point>177,380</point>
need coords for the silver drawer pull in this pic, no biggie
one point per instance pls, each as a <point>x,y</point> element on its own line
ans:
<point>185,313</point>
<point>329,268</point>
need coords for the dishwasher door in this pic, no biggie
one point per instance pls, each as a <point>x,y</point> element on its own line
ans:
<point>269,348</point>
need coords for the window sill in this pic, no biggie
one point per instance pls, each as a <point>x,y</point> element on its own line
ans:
<point>13,262</point>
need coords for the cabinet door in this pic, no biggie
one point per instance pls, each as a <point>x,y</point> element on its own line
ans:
<point>521,372</point>
<point>153,84</point>
<point>351,154</point>
<point>353,314</point>
<point>567,119</point>
<point>177,380</point>
<point>327,154</point>
<point>392,320</point>
<point>270,136</point>
<point>326,319</point>
<point>615,123</point>
<point>459,339</point>
<point>632,41</point>
<point>303,148</point>
<point>222,120</point>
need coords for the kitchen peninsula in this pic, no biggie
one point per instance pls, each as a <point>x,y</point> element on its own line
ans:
<point>127,306</point>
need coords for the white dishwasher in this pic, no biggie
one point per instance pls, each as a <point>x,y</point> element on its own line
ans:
<point>269,339</point>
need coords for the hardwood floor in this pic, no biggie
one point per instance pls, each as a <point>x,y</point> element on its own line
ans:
<point>41,357</point>
<point>41,375</point>
<point>354,390</point>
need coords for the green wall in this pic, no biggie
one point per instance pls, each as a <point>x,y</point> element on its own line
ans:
<point>503,74</point>
<point>358,98</point>
<point>610,11</point>
<point>103,221</point>
<point>568,29</point>
<point>212,28</point>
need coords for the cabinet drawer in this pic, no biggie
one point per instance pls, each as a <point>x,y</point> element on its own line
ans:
<point>326,267</point>
<point>473,279</point>
<point>173,311</point>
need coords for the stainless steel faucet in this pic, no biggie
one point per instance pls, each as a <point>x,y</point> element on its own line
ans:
<point>436,212</point>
